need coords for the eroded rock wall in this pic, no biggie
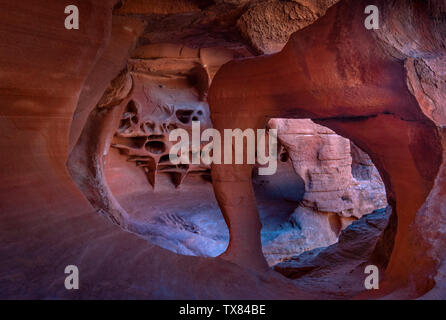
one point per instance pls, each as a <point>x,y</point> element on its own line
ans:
<point>324,160</point>
<point>383,89</point>
<point>46,223</point>
<point>337,190</point>
<point>354,81</point>
<point>163,88</point>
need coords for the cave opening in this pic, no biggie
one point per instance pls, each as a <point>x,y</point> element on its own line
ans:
<point>323,184</point>
<point>87,181</point>
<point>335,184</point>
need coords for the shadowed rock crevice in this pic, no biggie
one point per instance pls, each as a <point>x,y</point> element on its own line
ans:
<point>368,241</point>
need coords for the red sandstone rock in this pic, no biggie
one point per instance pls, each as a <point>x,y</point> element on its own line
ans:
<point>269,24</point>
<point>366,241</point>
<point>324,161</point>
<point>348,78</point>
<point>46,223</point>
<point>383,89</point>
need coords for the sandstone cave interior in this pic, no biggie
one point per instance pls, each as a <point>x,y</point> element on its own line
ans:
<point>360,117</point>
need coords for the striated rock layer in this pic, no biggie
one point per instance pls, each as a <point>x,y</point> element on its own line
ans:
<point>324,160</point>
<point>46,223</point>
<point>164,87</point>
<point>139,110</point>
<point>365,85</point>
<point>366,241</point>
<point>64,96</point>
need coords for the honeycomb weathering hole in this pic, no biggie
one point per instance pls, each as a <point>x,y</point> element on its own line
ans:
<point>156,147</point>
<point>184,115</point>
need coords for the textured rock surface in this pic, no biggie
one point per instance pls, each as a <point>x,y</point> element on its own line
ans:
<point>166,95</point>
<point>382,89</point>
<point>193,224</point>
<point>163,87</point>
<point>356,82</point>
<point>269,24</point>
<point>153,110</point>
<point>357,243</point>
<point>323,160</point>
<point>336,190</point>
<point>366,241</point>
<point>46,223</point>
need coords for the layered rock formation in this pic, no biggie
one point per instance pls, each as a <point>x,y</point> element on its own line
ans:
<point>359,83</point>
<point>324,160</point>
<point>152,112</point>
<point>336,189</point>
<point>128,70</point>
<point>368,240</point>
<point>267,25</point>
<point>141,108</point>
<point>164,89</point>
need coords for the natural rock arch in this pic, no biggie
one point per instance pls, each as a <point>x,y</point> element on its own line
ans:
<point>366,86</point>
<point>55,77</point>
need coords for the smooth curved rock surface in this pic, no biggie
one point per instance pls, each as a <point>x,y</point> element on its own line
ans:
<point>382,89</point>
<point>356,82</point>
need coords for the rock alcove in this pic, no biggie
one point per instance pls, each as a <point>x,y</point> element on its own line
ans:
<point>324,182</point>
<point>72,98</point>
